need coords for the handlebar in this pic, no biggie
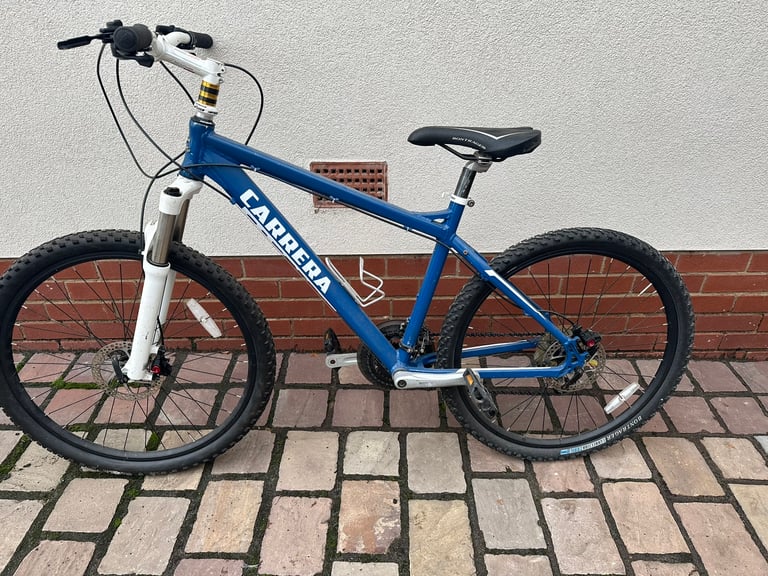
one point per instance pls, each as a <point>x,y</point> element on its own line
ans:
<point>127,41</point>
<point>167,43</point>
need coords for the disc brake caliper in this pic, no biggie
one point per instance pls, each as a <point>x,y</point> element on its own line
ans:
<point>589,342</point>
<point>160,365</point>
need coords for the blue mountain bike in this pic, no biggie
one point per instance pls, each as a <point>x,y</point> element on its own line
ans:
<point>132,352</point>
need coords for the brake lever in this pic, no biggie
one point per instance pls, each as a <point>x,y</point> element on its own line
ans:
<point>105,35</point>
<point>166,29</point>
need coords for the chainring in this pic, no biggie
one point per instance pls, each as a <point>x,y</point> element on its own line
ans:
<point>372,368</point>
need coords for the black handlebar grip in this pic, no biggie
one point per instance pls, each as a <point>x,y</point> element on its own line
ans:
<point>132,39</point>
<point>201,40</point>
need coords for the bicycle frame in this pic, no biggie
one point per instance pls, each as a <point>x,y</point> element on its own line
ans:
<point>224,161</point>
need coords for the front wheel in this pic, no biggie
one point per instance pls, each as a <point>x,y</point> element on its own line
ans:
<point>620,291</point>
<point>67,313</point>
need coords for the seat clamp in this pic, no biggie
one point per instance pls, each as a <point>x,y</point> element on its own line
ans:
<point>480,164</point>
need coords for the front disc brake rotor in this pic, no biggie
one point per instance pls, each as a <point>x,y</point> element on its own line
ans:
<point>103,372</point>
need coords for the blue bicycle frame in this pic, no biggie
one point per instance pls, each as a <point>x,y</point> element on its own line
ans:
<point>224,161</point>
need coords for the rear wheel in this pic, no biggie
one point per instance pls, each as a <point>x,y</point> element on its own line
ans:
<point>67,312</point>
<point>622,294</point>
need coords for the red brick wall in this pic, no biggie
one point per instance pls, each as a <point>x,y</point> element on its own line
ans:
<point>729,291</point>
<point>730,298</point>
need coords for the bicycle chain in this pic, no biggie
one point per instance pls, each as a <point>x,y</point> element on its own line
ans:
<point>501,334</point>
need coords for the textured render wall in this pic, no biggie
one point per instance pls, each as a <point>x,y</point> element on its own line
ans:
<point>653,114</point>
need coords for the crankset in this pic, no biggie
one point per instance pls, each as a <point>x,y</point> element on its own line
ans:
<point>370,366</point>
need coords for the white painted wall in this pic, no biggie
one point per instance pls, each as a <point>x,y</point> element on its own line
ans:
<point>653,114</point>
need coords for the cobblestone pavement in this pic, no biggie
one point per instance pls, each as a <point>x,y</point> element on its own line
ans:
<point>347,479</point>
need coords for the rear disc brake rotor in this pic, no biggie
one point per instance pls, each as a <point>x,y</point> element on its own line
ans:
<point>549,352</point>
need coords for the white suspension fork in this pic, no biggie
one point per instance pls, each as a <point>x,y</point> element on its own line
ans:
<point>158,278</point>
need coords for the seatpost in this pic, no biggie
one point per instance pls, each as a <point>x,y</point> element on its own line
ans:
<point>464,185</point>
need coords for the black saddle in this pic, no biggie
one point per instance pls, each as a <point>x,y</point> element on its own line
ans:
<point>498,143</point>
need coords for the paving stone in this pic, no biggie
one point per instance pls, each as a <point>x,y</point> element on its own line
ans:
<point>645,523</point>
<point>648,568</point>
<point>720,539</point>
<point>190,407</point>
<point>741,415</point>
<point>737,458</point>
<point>16,516</point>
<point>508,564</point>
<point>563,476</point>
<point>8,441</point>
<point>294,543</point>
<point>451,421</point>
<point>251,455</point>
<point>440,538</point>
<point>691,414</point>
<point>655,424</point>
<point>648,369</point>
<point>73,406</point>
<point>715,376</point>
<point>618,374</point>
<point>485,459</point>
<point>507,514</point>
<point>309,461</point>
<point>753,499</point>
<point>36,470</point>
<point>755,374</point>
<point>183,480</point>
<point>763,440</point>
<point>354,408</point>
<point>131,439</point>
<point>45,367</point>
<point>226,516</point>
<point>580,536</point>
<point>351,375</point>
<point>87,505</point>
<point>300,408</point>
<point>145,539</point>
<point>369,519</point>
<point>682,467</point>
<point>372,453</point>
<point>434,463</point>
<point>622,460</point>
<point>59,557</point>
<point>204,368</point>
<point>413,409</point>
<point>364,569</point>
<point>173,481</point>
<point>307,369</point>
<point>209,567</point>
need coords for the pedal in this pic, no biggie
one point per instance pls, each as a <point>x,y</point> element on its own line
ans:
<point>480,394</point>
<point>333,356</point>
<point>331,343</point>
